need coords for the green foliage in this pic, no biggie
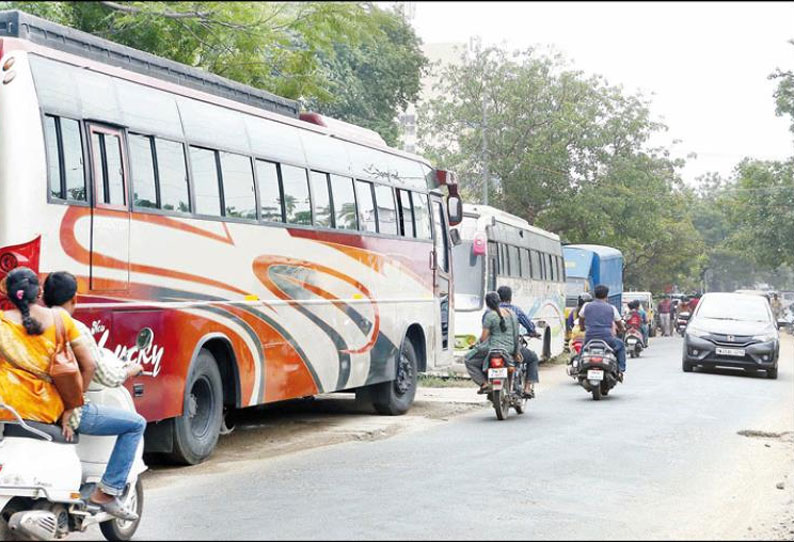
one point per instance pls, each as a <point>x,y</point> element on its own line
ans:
<point>568,152</point>
<point>349,59</point>
<point>784,95</point>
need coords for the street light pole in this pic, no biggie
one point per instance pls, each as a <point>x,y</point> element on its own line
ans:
<point>485,172</point>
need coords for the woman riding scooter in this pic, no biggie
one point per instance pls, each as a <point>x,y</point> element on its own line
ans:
<point>499,331</point>
<point>60,289</point>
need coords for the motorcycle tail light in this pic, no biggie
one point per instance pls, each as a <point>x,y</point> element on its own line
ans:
<point>596,359</point>
<point>497,362</point>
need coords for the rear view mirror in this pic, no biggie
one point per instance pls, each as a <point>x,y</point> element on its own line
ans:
<point>454,210</point>
<point>454,236</point>
<point>781,324</point>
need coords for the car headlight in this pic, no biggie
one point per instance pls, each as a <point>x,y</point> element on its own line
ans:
<point>765,337</point>
<point>696,332</point>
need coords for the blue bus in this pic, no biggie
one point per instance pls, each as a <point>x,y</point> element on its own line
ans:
<point>589,265</point>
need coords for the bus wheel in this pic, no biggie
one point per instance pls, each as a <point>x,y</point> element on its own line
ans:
<point>396,397</point>
<point>196,431</point>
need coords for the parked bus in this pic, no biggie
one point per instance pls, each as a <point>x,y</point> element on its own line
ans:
<point>276,255</point>
<point>587,266</point>
<point>500,249</point>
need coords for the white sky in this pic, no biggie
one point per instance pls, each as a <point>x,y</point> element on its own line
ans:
<point>703,65</point>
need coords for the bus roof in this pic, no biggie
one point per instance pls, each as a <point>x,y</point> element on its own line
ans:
<point>479,211</point>
<point>603,252</point>
<point>18,24</point>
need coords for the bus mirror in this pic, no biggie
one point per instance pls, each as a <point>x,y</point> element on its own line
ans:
<point>454,210</point>
<point>479,244</point>
<point>454,235</point>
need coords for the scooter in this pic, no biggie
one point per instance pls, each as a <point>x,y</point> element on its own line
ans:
<point>681,322</point>
<point>46,482</point>
<point>598,369</point>
<point>634,342</point>
<point>507,383</point>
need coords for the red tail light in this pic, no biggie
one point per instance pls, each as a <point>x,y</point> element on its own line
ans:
<point>577,346</point>
<point>596,359</point>
<point>497,362</point>
<point>25,255</point>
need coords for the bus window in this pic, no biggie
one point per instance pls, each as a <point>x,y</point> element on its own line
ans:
<point>441,241</point>
<point>323,214</point>
<point>406,213</point>
<point>296,195</point>
<point>53,157</point>
<point>515,261</point>
<point>525,269</point>
<point>269,192</point>
<point>387,214</point>
<point>366,206</point>
<point>493,265</point>
<point>537,271</point>
<point>172,177</point>
<point>144,186</point>
<point>421,215</point>
<point>238,186</point>
<point>552,272</point>
<point>344,203</point>
<point>205,181</point>
<point>72,148</point>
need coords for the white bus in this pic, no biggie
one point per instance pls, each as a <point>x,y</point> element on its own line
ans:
<point>275,254</point>
<point>500,249</point>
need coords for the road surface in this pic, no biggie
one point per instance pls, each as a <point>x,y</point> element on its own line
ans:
<point>666,455</point>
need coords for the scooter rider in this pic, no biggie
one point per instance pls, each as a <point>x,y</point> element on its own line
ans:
<point>596,319</point>
<point>640,321</point>
<point>60,289</point>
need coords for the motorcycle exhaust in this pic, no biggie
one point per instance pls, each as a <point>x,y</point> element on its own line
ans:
<point>36,524</point>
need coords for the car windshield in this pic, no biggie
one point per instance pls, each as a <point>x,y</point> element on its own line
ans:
<point>740,308</point>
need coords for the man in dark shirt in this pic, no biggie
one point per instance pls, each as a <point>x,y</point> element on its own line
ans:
<point>530,357</point>
<point>596,319</point>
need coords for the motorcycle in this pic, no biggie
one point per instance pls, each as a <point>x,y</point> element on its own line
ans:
<point>507,383</point>
<point>634,341</point>
<point>573,360</point>
<point>598,369</point>
<point>48,498</point>
<point>681,322</point>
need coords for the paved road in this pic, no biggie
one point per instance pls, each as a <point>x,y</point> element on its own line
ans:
<point>661,457</point>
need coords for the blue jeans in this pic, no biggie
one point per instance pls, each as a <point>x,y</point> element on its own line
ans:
<point>101,420</point>
<point>616,345</point>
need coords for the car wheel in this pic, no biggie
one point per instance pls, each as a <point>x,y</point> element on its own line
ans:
<point>686,366</point>
<point>772,373</point>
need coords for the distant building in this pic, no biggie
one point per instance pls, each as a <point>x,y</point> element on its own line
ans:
<point>446,54</point>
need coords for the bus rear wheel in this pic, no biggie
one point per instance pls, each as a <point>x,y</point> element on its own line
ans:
<point>196,431</point>
<point>396,397</point>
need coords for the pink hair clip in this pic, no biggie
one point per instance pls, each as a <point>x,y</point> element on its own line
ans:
<point>20,294</point>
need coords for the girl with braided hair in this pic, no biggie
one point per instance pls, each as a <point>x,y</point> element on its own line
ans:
<point>28,342</point>
<point>499,330</point>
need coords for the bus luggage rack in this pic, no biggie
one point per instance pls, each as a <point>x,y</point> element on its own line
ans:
<point>18,24</point>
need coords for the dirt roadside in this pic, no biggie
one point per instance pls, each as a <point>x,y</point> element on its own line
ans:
<point>284,428</point>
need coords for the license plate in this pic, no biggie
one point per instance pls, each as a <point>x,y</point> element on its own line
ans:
<point>739,352</point>
<point>497,373</point>
<point>593,374</point>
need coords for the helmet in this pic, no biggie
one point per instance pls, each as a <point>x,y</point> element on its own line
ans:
<point>584,298</point>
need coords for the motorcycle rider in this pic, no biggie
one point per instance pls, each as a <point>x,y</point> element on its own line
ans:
<point>637,318</point>
<point>499,330</point>
<point>530,357</point>
<point>60,289</point>
<point>596,319</point>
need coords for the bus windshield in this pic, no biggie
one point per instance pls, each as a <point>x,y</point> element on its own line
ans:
<point>469,277</point>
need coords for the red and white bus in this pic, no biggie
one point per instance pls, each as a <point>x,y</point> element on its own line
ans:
<point>275,255</point>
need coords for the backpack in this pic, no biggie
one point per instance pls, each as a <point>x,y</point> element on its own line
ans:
<point>634,320</point>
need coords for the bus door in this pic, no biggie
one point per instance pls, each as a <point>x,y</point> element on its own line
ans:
<point>442,276</point>
<point>110,215</point>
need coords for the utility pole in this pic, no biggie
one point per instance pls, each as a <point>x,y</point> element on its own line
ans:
<point>485,172</point>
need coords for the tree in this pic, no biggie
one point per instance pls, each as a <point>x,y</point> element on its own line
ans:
<point>373,82</point>
<point>288,48</point>
<point>567,152</point>
<point>784,95</point>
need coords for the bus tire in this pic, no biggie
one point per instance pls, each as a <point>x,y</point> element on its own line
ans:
<point>394,398</point>
<point>196,431</point>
